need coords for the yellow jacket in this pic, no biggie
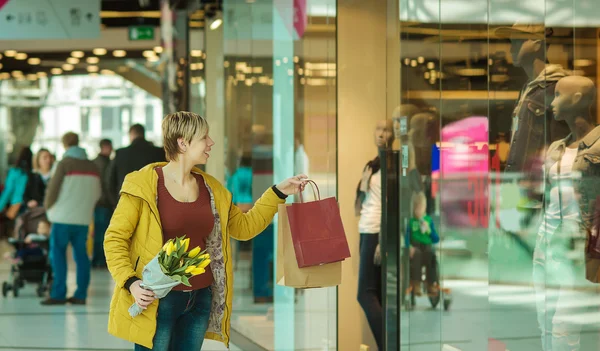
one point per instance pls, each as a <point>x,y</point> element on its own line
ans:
<point>134,237</point>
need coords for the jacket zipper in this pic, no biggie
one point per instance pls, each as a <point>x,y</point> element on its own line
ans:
<point>136,263</point>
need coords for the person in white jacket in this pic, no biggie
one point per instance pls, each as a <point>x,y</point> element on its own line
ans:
<point>71,197</point>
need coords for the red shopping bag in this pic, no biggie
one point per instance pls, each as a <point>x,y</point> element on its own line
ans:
<point>317,231</point>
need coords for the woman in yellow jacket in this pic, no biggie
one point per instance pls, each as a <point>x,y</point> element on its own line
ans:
<point>164,200</point>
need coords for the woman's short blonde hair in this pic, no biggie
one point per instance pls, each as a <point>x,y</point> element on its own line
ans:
<point>182,124</point>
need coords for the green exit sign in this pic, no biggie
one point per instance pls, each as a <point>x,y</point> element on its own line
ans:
<point>141,33</point>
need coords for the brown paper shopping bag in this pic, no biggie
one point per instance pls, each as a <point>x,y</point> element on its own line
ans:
<point>288,272</point>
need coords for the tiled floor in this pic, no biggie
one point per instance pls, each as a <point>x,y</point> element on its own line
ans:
<point>25,325</point>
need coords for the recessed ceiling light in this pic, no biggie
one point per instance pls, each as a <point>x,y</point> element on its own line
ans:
<point>92,69</point>
<point>149,53</point>
<point>10,53</point>
<point>32,76</point>
<point>93,60</point>
<point>119,53</point>
<point>107,72</point>
<point>1,66</point>
<point>56,71</point>
<point>99,51</point>
<point>78,54</point>
<point>68,67</point>
<point>34,61</point>
<point>158,49</point>
<point>73,60</point>
<point>42,74</point>
<point>153,59</point>
<point>21,56</point>
<point>196,53</point>
<point>17,73</point>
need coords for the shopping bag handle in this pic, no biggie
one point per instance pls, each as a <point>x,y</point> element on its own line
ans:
<point>313,186</point>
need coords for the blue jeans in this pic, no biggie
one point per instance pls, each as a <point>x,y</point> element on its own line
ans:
<point>101,221</point>
<point>182,321</point>
<point>60,237</point>
<point>369,286</point>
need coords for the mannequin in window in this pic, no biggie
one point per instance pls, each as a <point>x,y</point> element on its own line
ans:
<point>568,212</point>
<point>533,124</point>
<point>368,207</point>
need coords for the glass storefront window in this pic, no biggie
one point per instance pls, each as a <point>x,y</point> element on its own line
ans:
<point>498,102</point>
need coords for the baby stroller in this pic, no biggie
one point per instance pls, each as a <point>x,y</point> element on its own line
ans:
<point>30,261</point>
<point>429,280</point>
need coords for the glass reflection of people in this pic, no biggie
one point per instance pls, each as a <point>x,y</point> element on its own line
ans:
<point>502,149</point>
<point>533,126</point>
<point>567,211</point>
<point>419,238</point>
<point>43,164</point>
<point>368,207</point>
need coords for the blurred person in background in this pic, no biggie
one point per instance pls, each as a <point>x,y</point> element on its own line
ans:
<point>72,195</point>
<point>140,153</point>
<point>43,164</point>
<point>16,183</point>
<point>104,207</point>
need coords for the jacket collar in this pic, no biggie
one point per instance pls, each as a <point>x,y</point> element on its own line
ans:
<point>144,183</point>
<point>590,139</point>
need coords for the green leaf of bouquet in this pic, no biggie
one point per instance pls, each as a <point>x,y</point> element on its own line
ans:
<point>185,281</point>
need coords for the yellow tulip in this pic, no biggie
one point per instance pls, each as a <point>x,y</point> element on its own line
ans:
<point>205,256</point>
<point>204,263</point>
<point>190,269</point>
<point>185,243</point>
<point>165,246</point>
<point>170,248</point>
<point>198,271</point>
<point>195,251</point>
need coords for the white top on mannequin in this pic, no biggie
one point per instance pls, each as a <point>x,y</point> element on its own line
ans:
<point>570,207</point>
<point>370,214</point>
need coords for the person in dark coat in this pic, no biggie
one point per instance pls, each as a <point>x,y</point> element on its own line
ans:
<point>104,209</point>
<point>140,153</point>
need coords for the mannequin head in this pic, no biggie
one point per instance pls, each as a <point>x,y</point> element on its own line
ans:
<point>419,129</point>
<point>527,42</point>
<point>384,136</point>
<point>573,98</point>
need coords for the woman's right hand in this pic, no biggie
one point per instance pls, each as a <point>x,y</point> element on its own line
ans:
<point>143,297</point>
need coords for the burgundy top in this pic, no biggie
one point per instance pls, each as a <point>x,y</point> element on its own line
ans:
<point>194,219</point>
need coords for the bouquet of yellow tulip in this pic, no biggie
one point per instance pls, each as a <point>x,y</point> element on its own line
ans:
<point>173,265</point>
<point>179,264</point>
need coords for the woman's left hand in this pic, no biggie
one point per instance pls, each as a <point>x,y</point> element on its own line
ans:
<point>293,185</point>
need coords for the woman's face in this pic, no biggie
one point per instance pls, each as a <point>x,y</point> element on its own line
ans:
<point>198,150</point>
<point>45,161</point>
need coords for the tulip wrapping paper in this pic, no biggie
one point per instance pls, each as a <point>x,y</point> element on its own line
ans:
<point>154,279</point>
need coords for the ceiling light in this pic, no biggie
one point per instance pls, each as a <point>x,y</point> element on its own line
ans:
<point>56,71</point>
<point>42,74</point>
<point>73,60</point>
<point>93,60</point>
<point>149,53</point>
<point>99,51</point>
<point>158,49</point>
<point>0,56</point>
<point>296,59</point>
<point>226,64</point>
<point>78,54</point>
<point>421,59</point>
<point>107,72</point>
<point>153,59</point>
<point>216,24</point>
<point>92,69</point>
<point>21,56</point>
<point>68,67</point>
<point>34,61</point>
<point>4,75</point>
<point>32,76</point>
<point>119,53</point>
<point>10,53</point>
<point>17,73</point>
<point>196,53</point>
<point>1,66</point>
